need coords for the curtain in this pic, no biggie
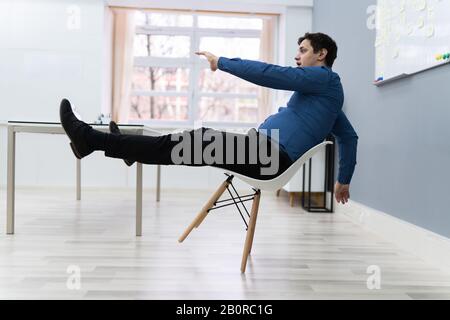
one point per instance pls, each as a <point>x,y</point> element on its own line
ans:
<point>266,49</point>
<point>122,60</point>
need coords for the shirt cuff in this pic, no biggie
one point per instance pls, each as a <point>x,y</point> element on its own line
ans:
<point>220,63</point>
<point>344,179</point>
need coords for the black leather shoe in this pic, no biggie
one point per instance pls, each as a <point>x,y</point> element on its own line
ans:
<point>114,129</point>
<point>75,130</point>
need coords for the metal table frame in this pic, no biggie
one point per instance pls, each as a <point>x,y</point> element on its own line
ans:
<point>15,127</point>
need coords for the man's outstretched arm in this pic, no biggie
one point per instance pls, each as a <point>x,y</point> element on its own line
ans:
<point>347,140</point>
<point>305,80</point>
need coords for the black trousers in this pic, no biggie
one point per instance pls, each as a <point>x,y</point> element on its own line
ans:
<point>253,154</point>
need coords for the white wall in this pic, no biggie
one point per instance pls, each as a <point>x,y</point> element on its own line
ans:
<point>41,61</point>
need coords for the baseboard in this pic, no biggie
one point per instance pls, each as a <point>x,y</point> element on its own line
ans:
<point>424,244</point>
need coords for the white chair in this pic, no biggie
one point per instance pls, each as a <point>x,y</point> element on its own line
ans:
<point>257,185</point>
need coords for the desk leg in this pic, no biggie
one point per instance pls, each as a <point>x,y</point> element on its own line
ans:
<point>158,182</point>
<point>11,181</point>
<point>138,199</point>
<point>78,179</point>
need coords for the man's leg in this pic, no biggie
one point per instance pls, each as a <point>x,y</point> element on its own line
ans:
<point>143,149</point>
<point>85,140</point>
<point>194,151</point>
<point>253,155</point>
<point>114,129</point>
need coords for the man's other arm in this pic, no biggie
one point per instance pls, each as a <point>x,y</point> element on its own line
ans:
<point>347,140</point>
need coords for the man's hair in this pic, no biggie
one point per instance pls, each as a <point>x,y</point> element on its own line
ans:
<point>322,41</point>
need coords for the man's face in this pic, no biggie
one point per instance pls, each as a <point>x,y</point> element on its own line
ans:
<point>306,56</point>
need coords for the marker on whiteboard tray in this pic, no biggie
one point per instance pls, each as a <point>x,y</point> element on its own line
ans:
<point>444,56</point>
<point>379,79</point>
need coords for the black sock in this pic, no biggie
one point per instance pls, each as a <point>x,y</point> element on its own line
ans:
<point>96,139</point>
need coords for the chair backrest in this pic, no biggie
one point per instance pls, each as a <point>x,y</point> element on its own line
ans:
<point>283,179</point>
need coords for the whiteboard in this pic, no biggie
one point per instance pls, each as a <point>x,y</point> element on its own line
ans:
<point>412,36</point>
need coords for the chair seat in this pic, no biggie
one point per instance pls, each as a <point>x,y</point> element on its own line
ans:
<point>283,179</point>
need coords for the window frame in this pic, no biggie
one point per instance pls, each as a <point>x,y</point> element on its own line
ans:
<point>194,65</point>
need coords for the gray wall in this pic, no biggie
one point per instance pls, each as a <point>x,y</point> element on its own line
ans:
<point>403,127</point>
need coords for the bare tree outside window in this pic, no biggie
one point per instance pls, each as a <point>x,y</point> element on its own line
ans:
<point>170,83</point>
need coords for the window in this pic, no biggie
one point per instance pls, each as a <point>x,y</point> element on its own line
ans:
<point>173,86</point>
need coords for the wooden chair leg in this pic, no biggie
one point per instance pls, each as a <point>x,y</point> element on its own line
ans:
<point>204,212</point>
<point>278,192</point>
<point>250,231</point>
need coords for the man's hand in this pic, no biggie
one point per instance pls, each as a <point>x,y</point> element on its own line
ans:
<point>212,59</point>
<point>342,192</point>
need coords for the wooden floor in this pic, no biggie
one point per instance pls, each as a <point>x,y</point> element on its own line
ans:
<point>296,255</point>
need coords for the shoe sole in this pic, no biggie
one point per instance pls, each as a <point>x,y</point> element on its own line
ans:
<point>75,151</point>
<point>128,163</point>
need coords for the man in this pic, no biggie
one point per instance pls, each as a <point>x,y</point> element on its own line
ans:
<point>313,112</point>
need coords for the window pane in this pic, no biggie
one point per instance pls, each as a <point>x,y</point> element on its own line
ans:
<point>161,46</point>
<point>159,108</point>
<point>232,110</point>
<point>160,79</point>
<point>221,82</point>
<point>229,23</point>
<point>247,48</point>
<point>163,19</point>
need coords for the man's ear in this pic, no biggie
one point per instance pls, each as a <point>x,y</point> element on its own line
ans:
<point>323,54</point>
